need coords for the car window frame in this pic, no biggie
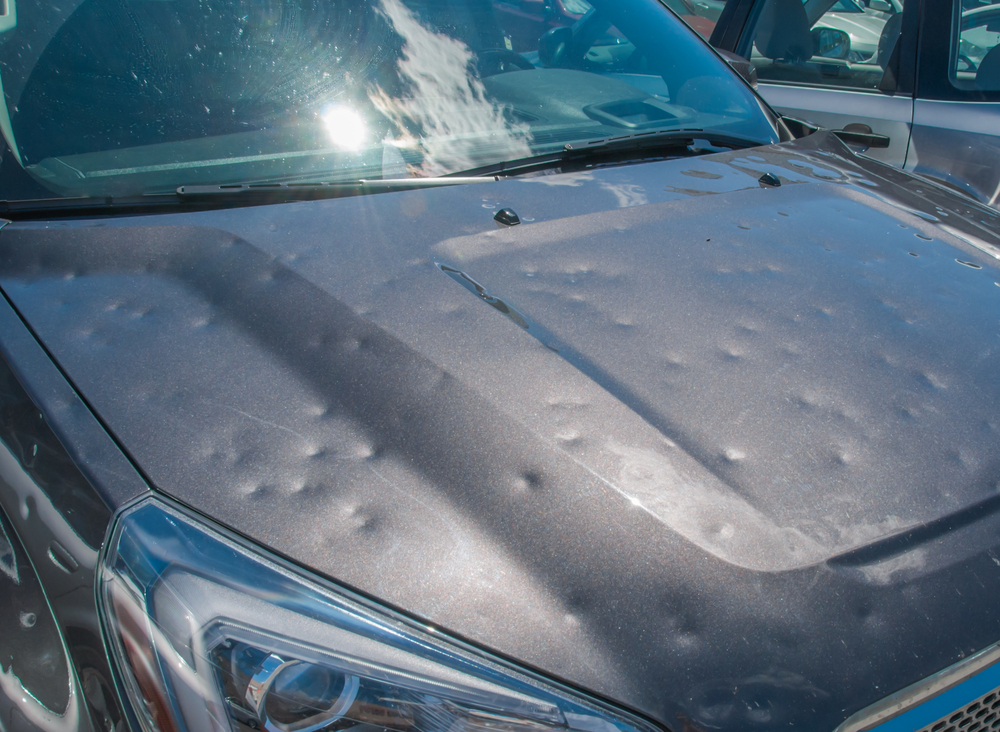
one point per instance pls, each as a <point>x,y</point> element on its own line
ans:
<point>937,48</point>
<point>739,16</point>
<point>732,22</point>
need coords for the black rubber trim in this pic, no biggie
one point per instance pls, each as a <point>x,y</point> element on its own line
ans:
<point>729,27</point>
<point>905,68</point>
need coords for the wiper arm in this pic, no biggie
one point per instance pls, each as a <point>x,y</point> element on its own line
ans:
<point>314,190</point>
<point>205,197</point>
<point>74,206</point>
<point>620,148</point>
<point>607,150</point>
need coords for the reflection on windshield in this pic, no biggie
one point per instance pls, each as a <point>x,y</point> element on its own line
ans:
<point>441,100</point>
<point>117,97</point>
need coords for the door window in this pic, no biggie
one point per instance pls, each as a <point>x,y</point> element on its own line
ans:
<point>975,59</point>
<point>837,43</point>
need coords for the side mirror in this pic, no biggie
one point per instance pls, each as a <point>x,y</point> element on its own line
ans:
<point>742,66</point>
<point>880,5</point>
<point>552,46</point>
<point>831,43</point>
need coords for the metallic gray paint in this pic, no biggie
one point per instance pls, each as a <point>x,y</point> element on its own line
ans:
<point>739,472</point>
<point>954,143</point>
<point>834,108</point>
<point>57,504</point>
<point>958,143</point>
<point>35,678</point>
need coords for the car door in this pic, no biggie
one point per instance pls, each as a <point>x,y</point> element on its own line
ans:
<point>831,62</point>
<point>956,116</point>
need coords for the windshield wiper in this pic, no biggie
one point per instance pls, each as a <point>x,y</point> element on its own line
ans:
<point>585,153</point>
<point>618,149</point>
<point>206,197</point>
<point>314,190</point>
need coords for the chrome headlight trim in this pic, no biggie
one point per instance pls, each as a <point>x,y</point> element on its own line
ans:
<point>191,611</point>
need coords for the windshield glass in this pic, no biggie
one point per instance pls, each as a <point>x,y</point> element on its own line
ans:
<point>122,97</point>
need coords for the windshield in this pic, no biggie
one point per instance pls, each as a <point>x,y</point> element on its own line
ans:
<point>123,97</point>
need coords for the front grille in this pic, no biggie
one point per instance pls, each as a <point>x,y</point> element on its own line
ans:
<point>982,714</point>
<point>958,688</point>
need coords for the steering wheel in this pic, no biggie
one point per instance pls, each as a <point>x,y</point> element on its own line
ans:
<point>500,60</point>
<point>968,62</point>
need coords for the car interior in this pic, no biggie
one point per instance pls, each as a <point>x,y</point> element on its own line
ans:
<point>976,55</point>
<point>791,44</point>
<point>218,94</point>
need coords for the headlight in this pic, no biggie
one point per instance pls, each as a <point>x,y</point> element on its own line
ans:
<point>207,633</point>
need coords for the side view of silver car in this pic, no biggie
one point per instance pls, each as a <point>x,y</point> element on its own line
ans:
<point>928,90</point>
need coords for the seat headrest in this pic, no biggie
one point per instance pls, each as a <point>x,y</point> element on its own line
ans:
<point>783,32</point>
<point>988,74</point>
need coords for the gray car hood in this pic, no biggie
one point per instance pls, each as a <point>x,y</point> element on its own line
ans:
<point>725,454</point>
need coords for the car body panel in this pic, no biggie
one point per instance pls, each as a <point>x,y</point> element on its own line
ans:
<point>37,681</point>
<point>958,144</point>
<point>948,135</point>
<point>692,475</point>
<point>55,507</point>
<point>833,109</point>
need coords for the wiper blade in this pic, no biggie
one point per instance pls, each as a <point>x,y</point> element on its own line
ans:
<point>620,148</point>
<point>606,150</point>
<point>314,190</point>
<point>206,197</point>
<point>73,206</point>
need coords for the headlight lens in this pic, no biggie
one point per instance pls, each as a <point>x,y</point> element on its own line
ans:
<point>208,633</point>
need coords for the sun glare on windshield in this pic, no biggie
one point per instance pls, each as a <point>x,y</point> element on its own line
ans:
<point>345,127</point>
<point>218,92</point>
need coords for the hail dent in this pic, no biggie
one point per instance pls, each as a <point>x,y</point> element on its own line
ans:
<point>708,515</point>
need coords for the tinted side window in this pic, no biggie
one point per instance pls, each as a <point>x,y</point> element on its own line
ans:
<point>835,43</point>
<point>975,59</point>
<point>959,57</point>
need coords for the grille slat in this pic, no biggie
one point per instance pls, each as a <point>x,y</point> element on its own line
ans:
<point>978,716</point>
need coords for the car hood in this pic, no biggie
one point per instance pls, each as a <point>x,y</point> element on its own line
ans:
<point>723,453</point>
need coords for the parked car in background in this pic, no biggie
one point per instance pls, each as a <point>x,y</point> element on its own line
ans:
<point>362,373</point>
<point>931,88</point>
<point>862,24</point>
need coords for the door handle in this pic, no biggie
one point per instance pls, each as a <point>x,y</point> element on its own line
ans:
<point>860,134</point>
